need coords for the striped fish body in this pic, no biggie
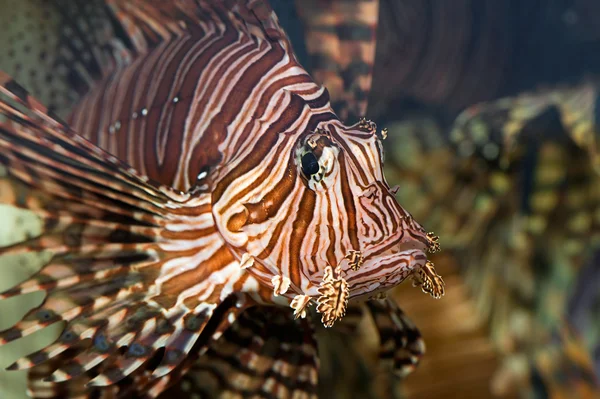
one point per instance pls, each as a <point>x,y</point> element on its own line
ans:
<point>215,176</point>
<point>236,116</point>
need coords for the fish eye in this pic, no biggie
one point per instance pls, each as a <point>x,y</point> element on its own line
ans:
<point>310,164</point>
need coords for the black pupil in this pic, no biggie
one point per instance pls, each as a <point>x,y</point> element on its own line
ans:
<point>310,164</point>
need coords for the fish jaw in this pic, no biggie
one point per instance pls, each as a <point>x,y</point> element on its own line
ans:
<point>401,256</point>
<point>384,272</point>
<point>361,276</point>
<point>379,268</point>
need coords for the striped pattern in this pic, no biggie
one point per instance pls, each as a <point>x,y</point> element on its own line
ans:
<point>249,215</point>
<point>183,92</point>
<point>113,282</point>
<point>492,177</point>
<point>216,177</point>
<point>495,172</point>
<point>446,56</point>
<point>265,355</point>
<point>141,384</point>
<point>401,344</point>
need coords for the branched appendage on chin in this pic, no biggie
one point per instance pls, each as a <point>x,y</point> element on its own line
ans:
<point>300,304</point>
<point>334,293</point>
<point>355,259</point>
<point>334,290</point>
<point>433,243</point>
<point>430,282</point>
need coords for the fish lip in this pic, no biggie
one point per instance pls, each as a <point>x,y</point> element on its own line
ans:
<point>384,271</point>
<point>413,246</point>
<point>404,239</point>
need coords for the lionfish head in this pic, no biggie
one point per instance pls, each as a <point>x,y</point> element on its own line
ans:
<point>308,212</point>
<point>363,234</point>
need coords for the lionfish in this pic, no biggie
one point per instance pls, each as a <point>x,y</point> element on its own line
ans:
<point>198,191</point>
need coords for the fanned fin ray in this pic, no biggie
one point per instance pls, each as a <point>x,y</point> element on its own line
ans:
<point>266,353</point>
<point>340,40</point>
<point>110,234</point>
<point>400,340</point>
<point>131,372</point>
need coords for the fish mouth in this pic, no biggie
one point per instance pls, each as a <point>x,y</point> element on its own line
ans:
<point>387,266</point>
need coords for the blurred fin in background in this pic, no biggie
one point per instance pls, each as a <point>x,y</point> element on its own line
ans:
<point>340,39</point>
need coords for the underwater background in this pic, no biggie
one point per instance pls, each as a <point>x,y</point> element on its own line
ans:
<point>491,109</point>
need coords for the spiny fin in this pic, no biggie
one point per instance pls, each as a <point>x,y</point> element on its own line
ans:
<point>400,340</point>
<point>340,39</point>
<point>138,385</point>
<point>108,231</point>
<point>266,353</point>
<point>130,374</point>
